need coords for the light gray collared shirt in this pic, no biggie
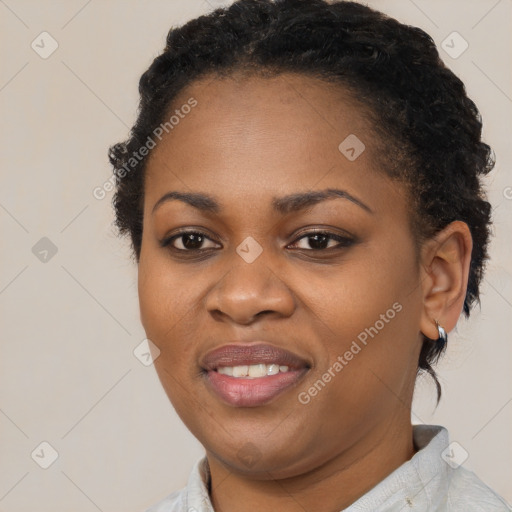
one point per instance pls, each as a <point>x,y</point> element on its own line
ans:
<point>431,481</point>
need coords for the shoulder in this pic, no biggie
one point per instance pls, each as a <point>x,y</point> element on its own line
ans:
<point>467,492</point>
<point>192,498</point>
<point>174,502</point>
<point>447,487</point>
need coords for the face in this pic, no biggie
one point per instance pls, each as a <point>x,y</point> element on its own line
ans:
<point>316,296</point>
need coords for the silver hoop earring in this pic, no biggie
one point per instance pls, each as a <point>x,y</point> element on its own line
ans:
<point>443,337</point>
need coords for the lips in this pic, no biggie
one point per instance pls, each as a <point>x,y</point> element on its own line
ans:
<point>241,355</point>
<point>243,390</point>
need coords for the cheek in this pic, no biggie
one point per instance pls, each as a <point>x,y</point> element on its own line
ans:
<point>362,296</point>
<point>168,298</point>
<point>369,318</point>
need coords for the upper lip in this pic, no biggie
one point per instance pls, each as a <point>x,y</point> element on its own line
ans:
<point>236,354</point>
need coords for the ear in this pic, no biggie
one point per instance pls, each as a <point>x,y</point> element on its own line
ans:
<point>445,261</point>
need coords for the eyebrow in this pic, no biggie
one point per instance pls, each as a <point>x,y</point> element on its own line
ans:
<point>283,205</point>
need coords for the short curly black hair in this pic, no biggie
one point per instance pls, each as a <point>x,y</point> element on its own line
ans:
<point>418,107</point>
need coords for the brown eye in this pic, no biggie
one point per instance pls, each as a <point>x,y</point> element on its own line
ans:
<point>187,241</point>
<point>321,240</point>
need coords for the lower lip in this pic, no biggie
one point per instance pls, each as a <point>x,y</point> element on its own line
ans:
<point>241,392</point>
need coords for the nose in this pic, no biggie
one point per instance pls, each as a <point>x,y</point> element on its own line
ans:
<point>248,290</point>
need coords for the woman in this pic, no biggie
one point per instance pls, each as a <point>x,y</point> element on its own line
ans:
<point>302,192</point>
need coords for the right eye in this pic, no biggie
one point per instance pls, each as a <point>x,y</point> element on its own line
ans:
<point>187,241</point>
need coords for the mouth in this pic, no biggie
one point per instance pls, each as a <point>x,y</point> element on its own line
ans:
<point>251,375</point>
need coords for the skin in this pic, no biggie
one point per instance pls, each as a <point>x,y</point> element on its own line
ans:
<point>248,141</point>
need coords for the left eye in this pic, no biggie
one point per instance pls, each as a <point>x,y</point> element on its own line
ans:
<point>319,240</point>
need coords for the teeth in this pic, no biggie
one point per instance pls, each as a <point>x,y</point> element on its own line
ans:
<point>227,370</point>
<point>257,370</point>
<point>240,371</point>
<point>253,371</point>
<point>273,369</point>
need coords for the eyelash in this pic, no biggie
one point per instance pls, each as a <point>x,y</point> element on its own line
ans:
<point>343,241</point>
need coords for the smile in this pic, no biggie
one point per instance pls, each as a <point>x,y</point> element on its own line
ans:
<point>251,375</point>
<point>253,371</point>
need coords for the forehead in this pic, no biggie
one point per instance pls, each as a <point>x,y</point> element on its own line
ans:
<point>248,136</point>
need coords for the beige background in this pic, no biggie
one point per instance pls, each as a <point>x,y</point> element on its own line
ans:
<point>68,375</point>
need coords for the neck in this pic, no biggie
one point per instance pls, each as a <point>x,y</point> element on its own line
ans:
<point>333,486</point>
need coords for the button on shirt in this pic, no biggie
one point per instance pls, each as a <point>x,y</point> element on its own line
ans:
<point>431,481</point>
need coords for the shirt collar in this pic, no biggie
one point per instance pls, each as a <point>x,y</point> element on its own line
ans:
<point>420,484</point>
